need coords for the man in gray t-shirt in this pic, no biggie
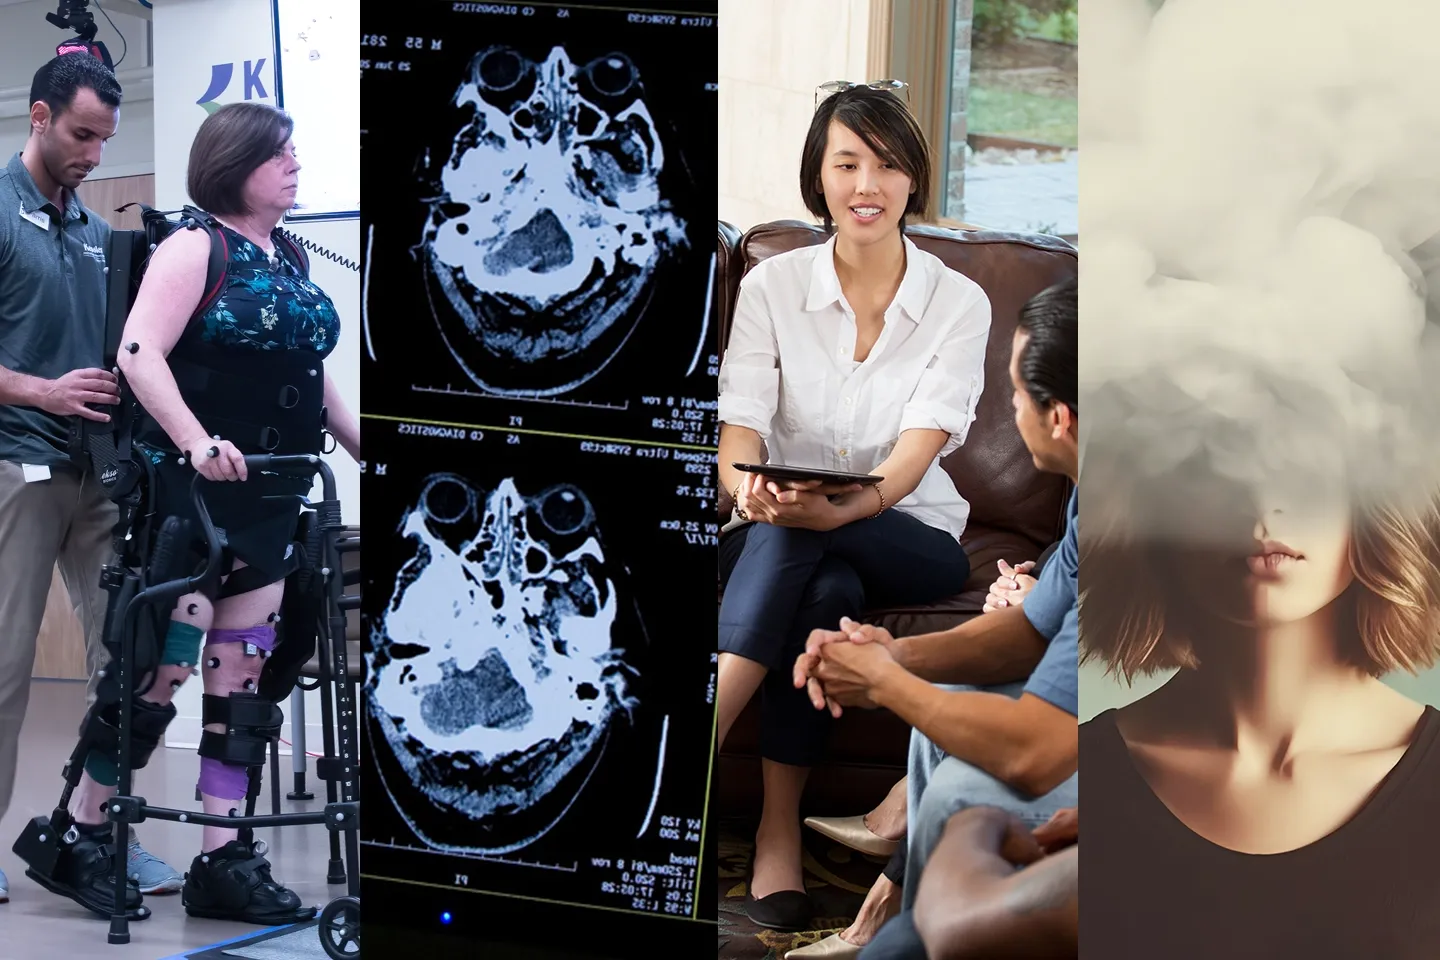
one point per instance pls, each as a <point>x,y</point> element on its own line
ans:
<point>52,335</point>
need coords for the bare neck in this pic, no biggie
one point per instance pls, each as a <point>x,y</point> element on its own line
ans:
<point>873,271</point>
<point>1270,692</point>
<point>46,184</point>
<point>1070,462</point>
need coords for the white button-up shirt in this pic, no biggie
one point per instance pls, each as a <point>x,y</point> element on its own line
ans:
<point>789,371</point>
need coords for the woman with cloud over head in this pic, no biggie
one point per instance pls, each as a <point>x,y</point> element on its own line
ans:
<point>1274,797</point>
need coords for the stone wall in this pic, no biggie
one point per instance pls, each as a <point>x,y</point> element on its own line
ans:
<point>959,111</point>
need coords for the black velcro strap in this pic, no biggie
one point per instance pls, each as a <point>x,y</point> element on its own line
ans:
<point>150,720</point>
<point>247,579</point>
<point>147,725</point>
<point>244,711</point>
<point>246,877</point>
<point>261,438</point>
<point>263,404</point>
<point>101,730</point>
<point>250,873</point>
<point>202,374</point>
<point>235,749</point>
<point>217,267</point>
<point>302,258</point>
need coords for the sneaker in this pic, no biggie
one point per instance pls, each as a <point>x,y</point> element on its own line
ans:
<point>153,874</point>
<point>4,888</point>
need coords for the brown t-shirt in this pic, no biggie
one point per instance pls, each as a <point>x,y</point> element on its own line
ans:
<point>1150,888</point>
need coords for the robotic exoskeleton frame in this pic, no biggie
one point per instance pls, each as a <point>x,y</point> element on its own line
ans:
<point>156,560</point>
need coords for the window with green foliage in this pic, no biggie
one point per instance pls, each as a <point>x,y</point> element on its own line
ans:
<point>999,20</point>
<point>1023,81</point>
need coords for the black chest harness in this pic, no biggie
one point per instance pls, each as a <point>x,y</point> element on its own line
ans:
<point>265,402</point>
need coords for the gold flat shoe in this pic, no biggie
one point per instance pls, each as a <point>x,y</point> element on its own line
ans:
<point>852,832</point>
<point>831,948</point>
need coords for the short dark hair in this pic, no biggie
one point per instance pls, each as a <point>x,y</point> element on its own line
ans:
<point>231,144</point>
<point>886,126</point>
<point>1048,365</point>
<point>57,82</point>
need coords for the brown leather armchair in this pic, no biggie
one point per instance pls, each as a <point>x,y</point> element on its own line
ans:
<point>1015,510</point>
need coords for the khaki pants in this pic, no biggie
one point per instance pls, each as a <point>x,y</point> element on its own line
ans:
<point>65,519</point>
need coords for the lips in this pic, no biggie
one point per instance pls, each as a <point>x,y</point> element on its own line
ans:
<point>867,214</point>
<point>1273,559</point>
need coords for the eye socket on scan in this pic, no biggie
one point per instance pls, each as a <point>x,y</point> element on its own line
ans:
<point>611,77</point>
<point>500,69</point>
<point>564,510</point>
<point>447,499</point>
<point>504,76</point>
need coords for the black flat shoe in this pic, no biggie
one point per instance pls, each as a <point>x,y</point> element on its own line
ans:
<point>83,873</point>
<point>234,883</point>
<point>789,911</point>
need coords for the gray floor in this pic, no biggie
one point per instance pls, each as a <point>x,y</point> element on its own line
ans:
<point>1031,197</point>
<point>37,924</point>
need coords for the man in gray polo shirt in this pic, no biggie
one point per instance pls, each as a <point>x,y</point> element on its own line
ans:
<point>52,334</point>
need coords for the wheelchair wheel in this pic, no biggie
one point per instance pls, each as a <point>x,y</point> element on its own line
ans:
<point>340,928</point>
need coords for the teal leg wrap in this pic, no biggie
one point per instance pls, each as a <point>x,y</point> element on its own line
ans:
<point>102,769</point>
<point>182,645</point>
<point>182,648</point>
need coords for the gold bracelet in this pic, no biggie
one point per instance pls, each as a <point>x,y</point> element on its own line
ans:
<point>882,502</point>
<point>739,510</point>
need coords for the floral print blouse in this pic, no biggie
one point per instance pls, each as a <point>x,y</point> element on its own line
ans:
<point>264,307</point>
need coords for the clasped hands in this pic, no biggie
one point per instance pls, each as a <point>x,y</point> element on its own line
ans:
<point>1023,846</point>
<point>840,668</point>
<point>793,503</point>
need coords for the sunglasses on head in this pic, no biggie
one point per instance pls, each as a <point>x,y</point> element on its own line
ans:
<point>829,88</point>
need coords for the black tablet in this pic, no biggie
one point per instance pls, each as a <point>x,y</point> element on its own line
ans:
<point>778,472</point>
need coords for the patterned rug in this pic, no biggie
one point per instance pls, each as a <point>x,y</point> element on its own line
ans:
<point>836,877</point>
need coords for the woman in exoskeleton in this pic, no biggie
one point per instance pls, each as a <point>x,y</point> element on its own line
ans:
<point>253,356</point>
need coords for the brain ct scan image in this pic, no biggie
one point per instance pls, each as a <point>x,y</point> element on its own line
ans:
<point>542,235</point>
<point>548,224</point>
<point>538,696</point>
<point>500,661</point>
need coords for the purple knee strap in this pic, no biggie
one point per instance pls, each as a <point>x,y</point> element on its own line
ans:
<point>219,779</point>
<point>262,636</point>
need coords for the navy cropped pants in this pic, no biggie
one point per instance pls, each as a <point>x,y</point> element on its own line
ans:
<point>781,583</point>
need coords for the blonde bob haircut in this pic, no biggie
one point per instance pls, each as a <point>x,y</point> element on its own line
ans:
<point>1128,609</point>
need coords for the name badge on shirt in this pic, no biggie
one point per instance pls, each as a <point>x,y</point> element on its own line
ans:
<point>40,218</point>
<point>35,472</point>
